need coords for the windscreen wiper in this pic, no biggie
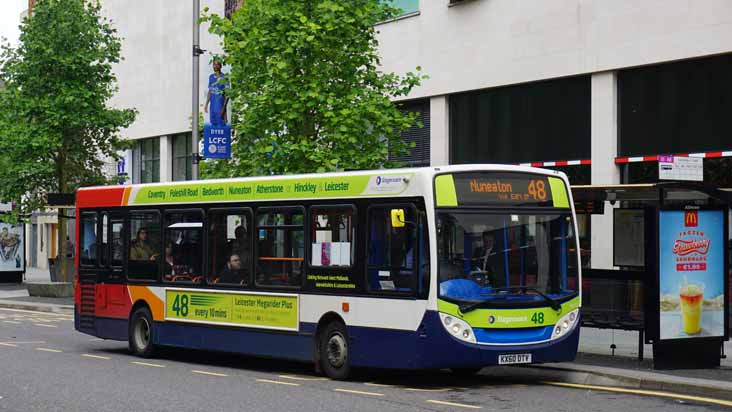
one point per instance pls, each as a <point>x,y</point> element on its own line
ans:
<point>552,303</point>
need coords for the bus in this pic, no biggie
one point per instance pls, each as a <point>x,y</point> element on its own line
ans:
<point>454,267</point>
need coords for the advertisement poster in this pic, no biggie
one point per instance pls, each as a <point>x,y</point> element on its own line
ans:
<point>11,248</point>
<point>233,309</point>
<point>691,274</point>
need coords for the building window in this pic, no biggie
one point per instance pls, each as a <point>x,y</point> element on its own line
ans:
<point>146,161</point>
<point>230,6</point>
<point>280,247</point>
<point>681,107</point>
<point>182,157</point>
<point>542,121</point>
<point>418,135</point>
<point>406,6</point>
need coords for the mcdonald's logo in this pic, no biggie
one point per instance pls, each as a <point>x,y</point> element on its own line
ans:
<point>691,218</point>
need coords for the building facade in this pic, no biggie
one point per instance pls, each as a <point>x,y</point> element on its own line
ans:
<point>155,78</point>
<point>597,89</point>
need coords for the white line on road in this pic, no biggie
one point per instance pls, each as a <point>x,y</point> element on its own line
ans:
<point>277,382</point>
<point>29,341</point>
<point>152,365</point>
<point>459,405</point>
<point>12,321</point>
<point>86,355</point>
<point>359,392</point>
<point>12,345</point>
<point>209,373</point>
<point>49,350</point>
<point>45,326</point>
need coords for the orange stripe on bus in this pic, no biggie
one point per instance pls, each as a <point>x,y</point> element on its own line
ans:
<point>156,304</point>
<point>126,197</point>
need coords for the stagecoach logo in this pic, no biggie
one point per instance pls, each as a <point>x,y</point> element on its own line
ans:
<point>387,184</point>
<point>491,319</point>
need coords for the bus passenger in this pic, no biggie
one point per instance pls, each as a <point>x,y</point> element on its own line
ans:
<point>232,273</point>
<point>140,248</point>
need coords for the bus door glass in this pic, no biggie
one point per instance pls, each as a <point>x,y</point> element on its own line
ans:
<point>393,248</point>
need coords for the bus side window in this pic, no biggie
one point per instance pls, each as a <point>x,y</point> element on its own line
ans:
<point>392,250</point>
<point>183,247</point>
<point>143,255</point>
<point>104,252</point>
<point>332,233</point>
<point>88,239</point>
<point>229,247</point>
<point>280,247</point>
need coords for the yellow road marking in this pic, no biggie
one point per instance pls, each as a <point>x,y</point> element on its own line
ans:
<point>427,389</point>
<point>277,382</point>
<point>46,326</point>
<point>381,385</point>
<point>86,355</point>
<point>152,365</point>
<point>643,392</point>
<point>49,350</point>
<point>209,373</point>
<point>303,378</point>
<point>12,345</point>
<point>460,405</point>
<point>359,392</point>
<point>12,321</point>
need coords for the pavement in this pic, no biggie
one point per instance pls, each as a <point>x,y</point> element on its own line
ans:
<point>596,364</point>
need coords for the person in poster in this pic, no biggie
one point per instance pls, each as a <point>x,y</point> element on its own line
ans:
<point>10,247</point>
<point>691,274</point>
<point>215,96</point>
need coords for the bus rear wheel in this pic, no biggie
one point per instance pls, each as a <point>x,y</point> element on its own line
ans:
<point>334,349</point>
<point>141,333</point>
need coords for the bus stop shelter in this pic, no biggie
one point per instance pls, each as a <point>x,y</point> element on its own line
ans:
<point>671,269</point>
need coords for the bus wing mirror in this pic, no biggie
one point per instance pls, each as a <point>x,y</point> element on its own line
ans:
<point>397,218</point>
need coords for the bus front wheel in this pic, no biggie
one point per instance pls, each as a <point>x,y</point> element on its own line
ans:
<point>141,333</point>
<point>334,351</point>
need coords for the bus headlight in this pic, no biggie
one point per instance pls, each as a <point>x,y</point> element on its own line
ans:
<point>565,324</point>
<point>457,328</point>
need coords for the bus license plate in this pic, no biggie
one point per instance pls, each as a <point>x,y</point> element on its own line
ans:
<point>514,358</point>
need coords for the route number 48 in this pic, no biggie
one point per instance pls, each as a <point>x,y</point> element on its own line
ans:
<point>180,305</point>
<point>538,318</point>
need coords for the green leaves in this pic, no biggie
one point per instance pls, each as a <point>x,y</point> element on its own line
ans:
<point>306,90</point>
<point>55,126</point>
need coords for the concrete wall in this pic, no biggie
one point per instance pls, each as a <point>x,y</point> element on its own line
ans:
<point>488,43</point>
<point>155,75</point>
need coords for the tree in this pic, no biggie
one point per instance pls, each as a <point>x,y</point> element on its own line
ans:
<point>305,87</point>
<point>55,126</point>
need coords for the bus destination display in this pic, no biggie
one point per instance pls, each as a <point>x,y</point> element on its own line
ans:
<point>503,188</point>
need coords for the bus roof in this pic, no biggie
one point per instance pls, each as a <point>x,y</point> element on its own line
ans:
<point>409,182</point>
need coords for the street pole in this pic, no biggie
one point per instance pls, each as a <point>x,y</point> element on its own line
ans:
<point>196,52</point>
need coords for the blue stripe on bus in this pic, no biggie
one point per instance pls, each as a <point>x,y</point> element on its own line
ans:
<point>431,346</point>
<point>513,335</point>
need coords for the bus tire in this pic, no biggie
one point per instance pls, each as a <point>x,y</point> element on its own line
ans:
<point>141,333</point>
<point>335,357</point>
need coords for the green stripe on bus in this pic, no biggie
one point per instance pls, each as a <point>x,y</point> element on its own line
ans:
<point>559,192</point>
<point>445,191</point>
<point>509,318</point>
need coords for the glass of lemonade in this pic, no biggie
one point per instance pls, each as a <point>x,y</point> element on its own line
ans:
<point>691,297</point>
